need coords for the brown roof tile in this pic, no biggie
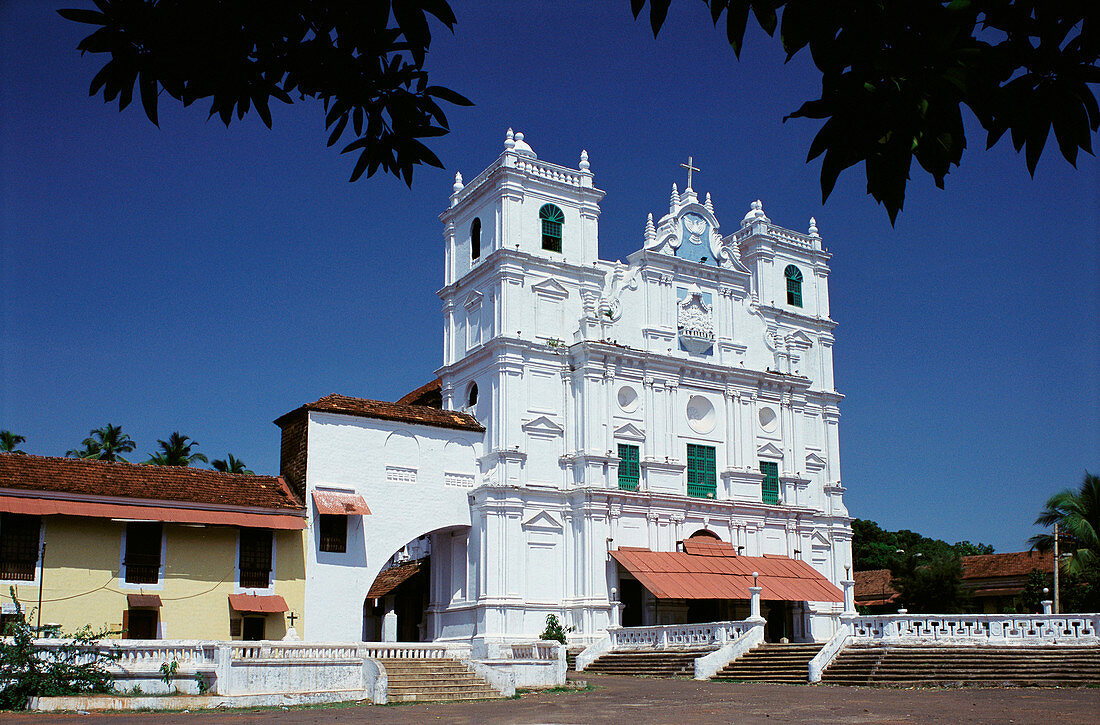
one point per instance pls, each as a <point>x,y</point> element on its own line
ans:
<point>870,586</point>
<point>429,394</point>
<point>391,578</point>
<point>1014,563</point>
<point>84,477</point>
<point>366,408</point>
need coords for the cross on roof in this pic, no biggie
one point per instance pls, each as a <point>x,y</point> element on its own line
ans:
<point>690,168</point>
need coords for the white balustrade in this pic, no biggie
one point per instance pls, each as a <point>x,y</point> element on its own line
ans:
<point>999,629</point>
<point>682,636</point>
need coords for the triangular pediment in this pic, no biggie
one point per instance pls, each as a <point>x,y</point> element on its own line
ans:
<point>550,287</point>
<point>819,541</point>
<point>814,462</point>
<point>542,520</point>
<point>770,450</point>
<point>630,432</point>
<point>473,299</point>
<point>800,339</point>
<point>542,424</point>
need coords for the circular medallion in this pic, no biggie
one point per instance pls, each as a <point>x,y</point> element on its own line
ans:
<point>628,399</point>
<point>700,414</point>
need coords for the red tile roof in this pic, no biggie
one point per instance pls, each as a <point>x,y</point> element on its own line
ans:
<point>1014,563</point>
<point>871,585</point>
<point>84,477</point>
<point>364,408</point>
<point>429,394</point>
<point>720,574</point>
<point>391,578</point>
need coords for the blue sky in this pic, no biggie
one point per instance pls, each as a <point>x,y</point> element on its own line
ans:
<point>207,280</point>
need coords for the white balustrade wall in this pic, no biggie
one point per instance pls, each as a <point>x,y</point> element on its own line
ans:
<point>959,629</point>
<point>258,668</point>
<point>677,635</point>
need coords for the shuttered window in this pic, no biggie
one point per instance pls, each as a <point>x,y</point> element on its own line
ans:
<point>475,239</point>
<point>142,558</point>
<point>794,285</point>
<point>255,558</point>
<point>702,476</point>
<point>769,488</point>
<point>19,546</point>
<point>628,467</point>
<point>552,220</point>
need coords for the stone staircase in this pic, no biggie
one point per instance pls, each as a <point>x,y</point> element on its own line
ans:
<point>959,666</point>
<point>434,680</point>
<point>663,663</point>
<point>785,663</point>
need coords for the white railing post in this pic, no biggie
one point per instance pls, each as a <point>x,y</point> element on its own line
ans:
<point>849,596</point>
<point>1047,604</point>
<point>754,602</point>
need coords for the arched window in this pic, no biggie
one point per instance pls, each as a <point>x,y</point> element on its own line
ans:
<point>475,239</point>
<point>471,396</point>
<point>705,534</point>
<point>552,219</point>
<point>794,285</point>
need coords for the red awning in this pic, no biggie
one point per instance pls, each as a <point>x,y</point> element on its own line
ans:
<point>719,574</point>
<point>64,507</point>
<point>148,601</point>
<point>342,503</point>
<point>263,604</point>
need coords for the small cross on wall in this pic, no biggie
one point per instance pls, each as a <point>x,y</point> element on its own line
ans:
<point>292,616</point>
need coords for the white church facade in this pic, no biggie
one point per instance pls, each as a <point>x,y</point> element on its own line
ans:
<point>589,418</point>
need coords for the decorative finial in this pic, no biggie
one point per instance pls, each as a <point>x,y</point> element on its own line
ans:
<point>650,232</point>
<point>756,214</point>
<point>584,160</point>
<point>521,148</point>
<point>813,227</point>
<point>674,201</point>
<point>509,140</point>
<point>709,207</point>
<point>458,182</point>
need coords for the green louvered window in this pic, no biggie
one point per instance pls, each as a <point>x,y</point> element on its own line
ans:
<point>628,467</point>
<point>552,219</point>
<point>794,285</point>
<point>702,478</point>
<point>769,488</point>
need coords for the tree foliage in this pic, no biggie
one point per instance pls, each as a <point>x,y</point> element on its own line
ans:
<point>230,464</point>
<point>105,444</point>
<point>875,548</point>
<point>1076,592</point>
<point>929,585</point>
<point>363,60</point>
<point>176,451</point>
<point>10,442</point>
<point>1077,514</point>
<point>896,75</point>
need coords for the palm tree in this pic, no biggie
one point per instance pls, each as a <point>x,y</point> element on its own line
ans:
<point>1077,514</point>
<point>105,444</point>
<point>232,465</point>
<point>176,451</point>
<point>9,441</point>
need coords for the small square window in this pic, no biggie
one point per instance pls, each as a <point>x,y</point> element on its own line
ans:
<point>334,533</point>
<point>142,560</point>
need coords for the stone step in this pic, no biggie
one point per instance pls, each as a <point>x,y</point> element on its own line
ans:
<point>434,680</point>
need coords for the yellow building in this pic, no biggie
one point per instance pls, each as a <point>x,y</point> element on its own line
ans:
<point>150,552</point>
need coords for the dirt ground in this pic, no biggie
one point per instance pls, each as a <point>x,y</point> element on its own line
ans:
<point>641,701</point>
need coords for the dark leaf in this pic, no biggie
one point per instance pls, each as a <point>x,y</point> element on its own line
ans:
<point>92,17</point>
<point>148,87</point>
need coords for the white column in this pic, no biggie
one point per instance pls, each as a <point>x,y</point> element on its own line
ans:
<point>754,601</point>
<point>389,621</point>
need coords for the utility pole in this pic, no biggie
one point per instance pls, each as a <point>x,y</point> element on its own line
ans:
<point>1057,605</point>
<point>41,581</point>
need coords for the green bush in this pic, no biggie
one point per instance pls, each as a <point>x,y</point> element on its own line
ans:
<point>72,667</point>
<point>554,631</point>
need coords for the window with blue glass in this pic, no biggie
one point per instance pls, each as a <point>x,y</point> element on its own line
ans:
<point>552,220</point>
<point>794,285</point>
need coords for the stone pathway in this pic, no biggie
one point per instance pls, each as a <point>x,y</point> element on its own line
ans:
<point>644,701</point>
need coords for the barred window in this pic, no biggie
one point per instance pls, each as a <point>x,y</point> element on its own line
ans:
<point>334,533</point>
<point>628,467</point>
<point>701,470</point>
<point>255,558</point>
<point>142,558</point>
<point>19,536</point>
